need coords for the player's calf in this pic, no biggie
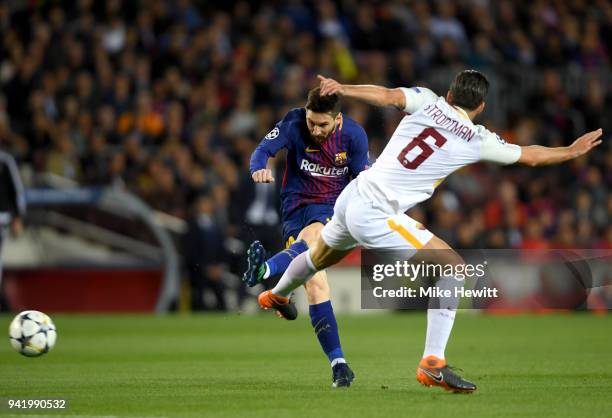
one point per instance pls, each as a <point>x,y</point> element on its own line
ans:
<point>317,288</point>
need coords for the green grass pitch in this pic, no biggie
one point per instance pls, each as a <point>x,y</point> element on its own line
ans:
<point>237,366</point>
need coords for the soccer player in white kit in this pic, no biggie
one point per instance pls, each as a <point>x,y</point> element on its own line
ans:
<point>436,138</point>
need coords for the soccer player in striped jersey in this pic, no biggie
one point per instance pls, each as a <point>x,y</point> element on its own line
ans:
<point>436,138</point>
<point>325,150</point>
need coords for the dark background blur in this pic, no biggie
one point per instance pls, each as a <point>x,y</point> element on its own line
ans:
<point>169,98</point>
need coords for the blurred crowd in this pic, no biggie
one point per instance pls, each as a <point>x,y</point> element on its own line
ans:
<point>169,98</point>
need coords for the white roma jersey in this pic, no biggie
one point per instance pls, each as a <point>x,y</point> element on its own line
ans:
<point>430,143</point>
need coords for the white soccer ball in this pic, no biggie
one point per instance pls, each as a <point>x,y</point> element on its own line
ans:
<point>32,333</point>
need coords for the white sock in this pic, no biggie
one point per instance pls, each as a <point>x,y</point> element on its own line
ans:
<point>337,360</point>
<point>298,273</point>
<point>440,319</point>
<point>439,326</point>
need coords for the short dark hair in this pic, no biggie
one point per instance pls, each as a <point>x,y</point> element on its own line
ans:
<point>469,89</point>
<point>329,103</point>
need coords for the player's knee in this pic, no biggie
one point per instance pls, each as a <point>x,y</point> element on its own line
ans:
<point>450,257</point>
<point>310,234</point>
<point>438,251</point>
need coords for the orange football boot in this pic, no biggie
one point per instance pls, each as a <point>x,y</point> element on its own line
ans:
<point>284,307</point>
<point>434,371</point>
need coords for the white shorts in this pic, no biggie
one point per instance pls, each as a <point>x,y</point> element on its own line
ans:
<point>357,221</point>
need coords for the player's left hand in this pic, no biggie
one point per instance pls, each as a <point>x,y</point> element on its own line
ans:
<point>586,142</point>
<point>330,86</point>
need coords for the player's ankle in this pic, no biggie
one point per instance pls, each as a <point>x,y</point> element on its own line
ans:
<point>337,361</point>
<point>433,361</point>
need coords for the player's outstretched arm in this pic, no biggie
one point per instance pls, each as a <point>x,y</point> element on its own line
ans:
<point>276,139</point>
<point>371,94</point>
<point>259,161</point>
<point>535,155</point>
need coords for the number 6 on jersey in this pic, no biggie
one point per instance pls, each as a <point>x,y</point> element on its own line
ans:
<point>426,149</point>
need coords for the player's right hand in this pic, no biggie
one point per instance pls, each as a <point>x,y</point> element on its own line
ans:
<point>263,176</point>
<point>587,142</point>
<point>330,86</point>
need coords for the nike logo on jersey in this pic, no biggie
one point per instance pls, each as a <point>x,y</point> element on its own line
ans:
<point>308,149</point>
<point>318,170</point>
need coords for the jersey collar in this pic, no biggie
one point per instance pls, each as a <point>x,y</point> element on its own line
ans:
<point>462,112</point>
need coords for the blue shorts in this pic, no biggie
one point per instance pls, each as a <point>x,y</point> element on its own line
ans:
<point>303,216</point>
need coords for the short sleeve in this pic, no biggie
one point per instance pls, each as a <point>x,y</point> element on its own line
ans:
<point>417,97</point>
<point>495,149</point>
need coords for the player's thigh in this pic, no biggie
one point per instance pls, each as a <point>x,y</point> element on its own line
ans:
<point>408,232</point>
<point>402,233</point>
<point>377,230</point>
<point>317,288</point>
<point>335,236</point>
<point>293,223</point>
<point>322,255</point>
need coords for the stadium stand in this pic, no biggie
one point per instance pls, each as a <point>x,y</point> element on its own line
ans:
<point>168,99</point>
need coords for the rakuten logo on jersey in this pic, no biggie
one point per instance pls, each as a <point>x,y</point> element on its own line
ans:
<point>318,170</point>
